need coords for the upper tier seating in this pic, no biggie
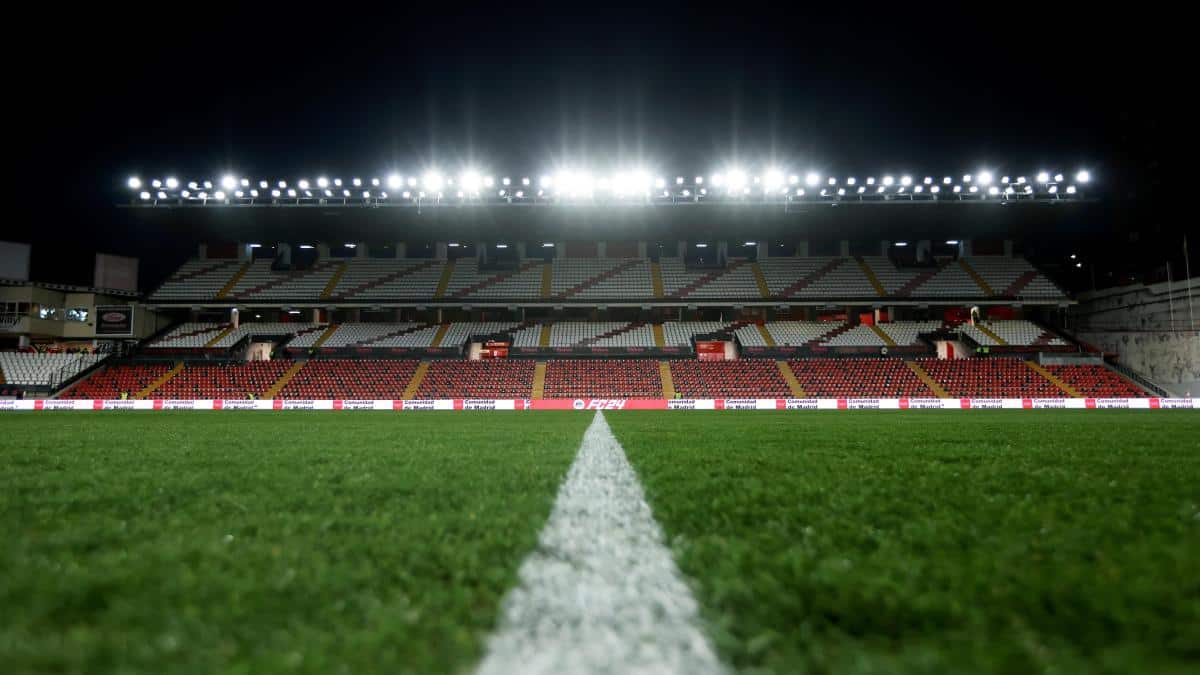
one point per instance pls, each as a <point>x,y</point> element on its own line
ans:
<point>614,378</point>
<point>1096,381</point>
<point>908,332</point>
<point>501,378</point>
<point>351,379</point>
<point>679,333</point>
<point>198,335</point>
<point>36,369</point>
<point>111,381</point>
<point>858,378</point>
<point>188,336</point>
<point>786,333</point>
<point>858,336</point>
<point>581,279</point>
<point>990,378</point>
<point>744,378</point>
<point>1016,332</point>
<point>220,380</point>
<point>350,334</point>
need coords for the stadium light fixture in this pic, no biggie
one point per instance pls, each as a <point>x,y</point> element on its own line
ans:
<point>1004,180</point>
<point>245,182</point>
<point>870,180</point>
<point>952,242</point>
<point>946,180</point>
<point>406,194</point>
<point>322,182</point>
<point>228,182</point>
<point>501,246</point>
<point>547,244</point>
<point>203,195</point>
<point>1043,177</point>
<point>928,180</point>
<point>984,178</point>
<point>906,180</point>
<point>291,192</point>
<point>699,180</point>
<point>306,246</point>
<point>736,179</point>
<point>156,183</point>
<point>901,244</point>
<point>773,179</point>
<point>1053,189</point>
<point>239,194</point>
<point>162,195</point>
<point>1020,180</point>
<point>328,193</point>
<point>171,183</point>
<point>134,183</point>
<point>861,189</point>
<point>254,193</point>
<point>967,178</point>
<point>957,189</point>
<point>275,193</point>
<point>919,188</point>
<point>144,195</point>
<point>935,189</point>
<point>851,181</point>
<point>208,185</point>
<point>1070,189</point>
<point>1058,178</point>
<point>357,182</point>
<point>1078,265</point>
<point>432,181</point>
<point>974,189</point>
<point>395,181</point>
<point>812,179</point>
<point>750,243</point>
<point>350,245</point>
<point>832,181</point>
<point>1083,177</point>
<point>303,184</point>
<point>366,194</point>
<point>701,245</point>
<point>799,192</point>
<point>993,191</point>
<point>888,181</point>
<point>470,181</point>
<point>185,194</point>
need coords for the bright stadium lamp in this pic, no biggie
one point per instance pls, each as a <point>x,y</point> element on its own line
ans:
<point>1020,180</point>
<point>203,195</point>
<point>918,188</point>
<point>219,196</point>
<point>374,182</point>
<point>156,183</point>
<point>1043,177</point>
<point>275,193</point>
<point>208,185</point>
<point>935,189</point>
<point>984,178</point>
<point>185,194</point>
<point>506,181</point>
<point>1004,180</point>
<point>718,179</point>
<point>660,183</point>
<point>929,180</point>
<point>736,179</point>
<point>952,242</point>
<point>957,189</point>
<point>773,179</point>
<point>432,181</point>
<point>262,184</point>
<point>841,192</point>
<point>1053,189</point>
<point>812,179</point>
<point>699,180</point>
<point>870,180</point>
<point>799,192</point>
<point>172,183</point>
<point>239,194</point>
<point>888,181</point>
<point>292,192</point>
<point>406,194</point>
<point>946,180</point>
<point>967,178</point>
<point>906,180</point>
<point>134,183</point>
<point>1058,178</point>
<point>679,180</point>
<point>228,182</point>
<point>357,182</point>
<point>1070,189</point>
<point>144,195</point>
<point>832,181</point>
<point>322,182</point>
<point>245,182</point>
<point>879,190</point>
<point>851,181</point>
<point>861,189</point>
<point>525,181</point>
<point>993,191</point>
<point>254,193</point>
<point>345,193</point>
<point>283,185</point>
<point>488,181</point>
<point>337,182</point>
<point>974,189</point>
<point>395,182</point>
<point>366,194</point>
<point>546,181</point>
<point>1083,177</point>
<point>328,193</point>
<point>162,195</point>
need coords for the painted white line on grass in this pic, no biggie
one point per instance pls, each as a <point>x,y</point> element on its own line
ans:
<point>601,594</point>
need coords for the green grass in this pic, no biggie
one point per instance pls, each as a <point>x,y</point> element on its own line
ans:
<point>948,542</point>
<point>262,543</point>
<point>849,542</point>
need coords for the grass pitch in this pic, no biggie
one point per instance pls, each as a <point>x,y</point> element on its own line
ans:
<point>949,542</point>
<point>847,542</point>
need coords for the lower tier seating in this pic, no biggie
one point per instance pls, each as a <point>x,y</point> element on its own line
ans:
<point>745,378</point>
<point>627,378</point>
<point>990,378</point>
<point>237,380</point>
<point>858,378</point>
<point>1096,381</point>
<point>351,379</point>
<point>110,382</point>
<point>478,379</point>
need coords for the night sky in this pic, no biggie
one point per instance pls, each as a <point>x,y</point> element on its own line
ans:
<point>347,89</point>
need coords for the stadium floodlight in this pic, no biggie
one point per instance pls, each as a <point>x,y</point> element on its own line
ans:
<point>1058,178</point>
<point>263,184</point>
<point>337,182</point>
<point>254,193</point>
<point>751,243</point>
<point>406,194</point>
<point>952,242</point>
<point>525,181</point>
<point>1083,177</point>
<point>799,192</point>
<point>919,188</point>
<point>547,244</point>
<point>156,183</point>
<point>275,193</point>
<point>984,178</point>
<point>974,189</point>
<point>144,195</point>
<point>888,181</point>
<point>1053,189</point>
<point>851,181</point>
<point>162,195</point>
<point>704,191</point>
<point>453,244</point>
<point>283,185</point>
<point>374,182</point>
<point>736,179</point>
<point>993,191</point>
<point>432,181</point>
<point>718,179</point>
<point>841,192</point>
<point>306,246</point>
<point>348,245</point>
<point>879,190</point>
<point>679,180</point>
<point>832,180</point>
<point>906,180</point>
<point>366,194</point>
<point>546,181</point>
<point>701,245</point>
<point>812,179</point>
<point>322,182</point>
<point>901,244</point>
<point>773,179</point>
<point>1070,189</point>
<point>458,194</point>
<point>935,189</point>
<point>193,185</point>
<point>1043,177</point>
<point>488,181</point>
<point>861,189</point>
<point>870,180</point>
<point>1008,190</point>
<point>967,178</point>
<point>506,182</point>
<point>308,193</point>
<point>470,181</point>
<point>1078,265</point>
<point>172,183</point>
<point>900,189</point>
<point>793,179</point>
<point>502,246</point>
<point>357,182</point>
<point>520,194</point>
<point>208,185</point>
<point>134,182</point>
<point>946,180</point>
<point>185,194</point>
<point>929,180</point>
<point>345,193</point>
<point>328,193</point>
<point>291,192</point>
<point>254,245</point>
<point>687,193</point>
<point>239,194</point>
<point>660,183</point>
<point>1004,180</point>
<point>699,180</point>
<point>245,182</point>
<point>203,195</point>
<point>1020,180</point>
<point>957,189</point>
<point>228,182</point>
<point>395,182</point>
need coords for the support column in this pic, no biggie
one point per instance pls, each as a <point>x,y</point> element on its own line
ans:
<point>924,250</point>
<point>844,248</point>
<point>1008,248</point>
<point>641,250</point>
<point>681,249</point>
<point>965,249</point>
<point>884,245</point>
<point>322,251</point>
<point>560,249</point>
<point>401,249</point>
<point>802,248</point>
<point>202,251</point>
<point>362,250</point>
<point>601,249</point>
<point>439,250</point>
<point>722,251</point>
<point>283,253</point>
<point>521,250</point>
<point>762,250</point>
<point>244,252</point>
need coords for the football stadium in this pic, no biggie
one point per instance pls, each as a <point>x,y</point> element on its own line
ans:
<point>786,411</point>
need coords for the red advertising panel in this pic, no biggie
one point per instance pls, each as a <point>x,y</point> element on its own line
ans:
<point>710,350</point>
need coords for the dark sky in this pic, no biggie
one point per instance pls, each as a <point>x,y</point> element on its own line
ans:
<point>283,92</point>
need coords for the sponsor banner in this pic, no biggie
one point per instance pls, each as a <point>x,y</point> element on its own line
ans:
<point>417,405</point>
<point>691,404</point>
<point>863,403</point>
<point>801,403</point>
<point>928,403</point>
<point>1187,403</point>
<point>114,321</point>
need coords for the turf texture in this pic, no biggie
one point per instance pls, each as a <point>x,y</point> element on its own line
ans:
<point>881,542</point>
<point>839,542</point>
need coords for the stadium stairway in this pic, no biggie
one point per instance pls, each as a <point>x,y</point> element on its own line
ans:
<point>656,280</point>
<point>439,335</point>
<point>444,281</point>
<point>334,280</point>
<point>385,279</point>
<point>539,381</point>
<point>329,331</point>
<point>1063,386</point>
<point>870,275</point>
<point>217,338</point>
<point>495,278</point>
<point>289,277</point>
<point>916,282</point>
<point>163,379</point>
<point>200,272</point>
<point>544,335</point>
<point>233,280</point>
<point>768,339</point>
<point>587,342</point>
<point>793,384</point>
<point>979,281</point>
<point>802,283</point>
<point>603,276</point>
<point>410,390</point>
<point>760,280</point>
<point>1014,289</point>
<point>922,374</point>
<point>668,382</point>
<point>660,340</point>
<point>887,339</point>
<point>547,280</point>
<point>988,332</point>
<point>283,380</point>
<point>692,287</point>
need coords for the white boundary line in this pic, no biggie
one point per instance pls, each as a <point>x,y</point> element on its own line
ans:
<point>601,593</point>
